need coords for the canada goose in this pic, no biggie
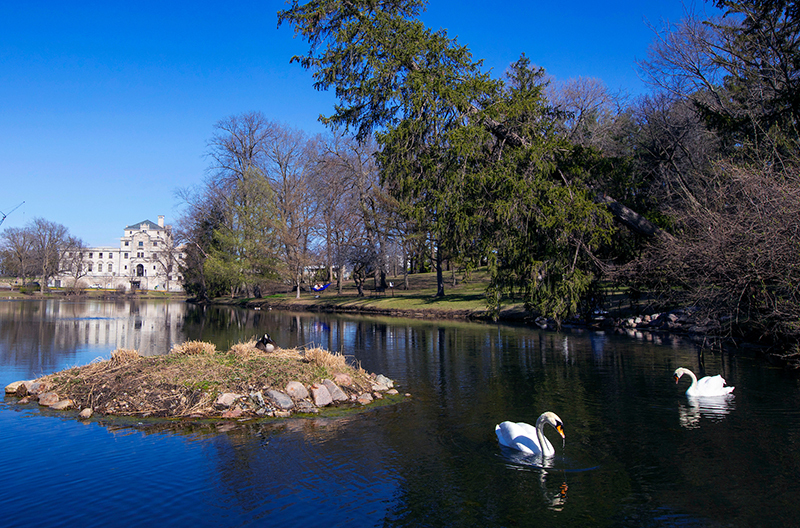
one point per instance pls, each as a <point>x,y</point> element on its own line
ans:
<point>266,344</point>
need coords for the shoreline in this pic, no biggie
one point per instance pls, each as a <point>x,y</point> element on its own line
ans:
<point>678,322</point>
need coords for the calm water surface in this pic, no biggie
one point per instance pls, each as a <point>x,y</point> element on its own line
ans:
<point>637,452</point>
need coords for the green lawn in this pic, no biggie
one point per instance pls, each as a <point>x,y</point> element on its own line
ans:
<point>465,296</point>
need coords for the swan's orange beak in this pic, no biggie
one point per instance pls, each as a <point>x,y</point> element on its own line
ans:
<point>560,431</point>
<point>676,378</point>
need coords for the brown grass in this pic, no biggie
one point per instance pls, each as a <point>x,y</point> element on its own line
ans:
<point>124,355</point>
<point>332,361</point>
<point>190,348</point>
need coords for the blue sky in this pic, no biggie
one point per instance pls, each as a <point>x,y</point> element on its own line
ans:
<point>106,107</point>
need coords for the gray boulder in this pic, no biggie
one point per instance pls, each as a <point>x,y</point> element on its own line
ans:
<point>296,390</point>
<point>320,395</point>
<point>280,399</point>
<point>48,399</point>
<point>226,399</point>
<point>337,394</point>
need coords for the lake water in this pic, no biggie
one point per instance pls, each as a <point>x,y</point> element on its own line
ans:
<point>637,451</point>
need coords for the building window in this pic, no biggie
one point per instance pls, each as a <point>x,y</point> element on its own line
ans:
<point>99,255</point>
<point>155,243</point>
<point>89,267</point>
<point>126,255</point>
<point>141,243</point>
<point>110,267</point>
<point>99,267</point>
<point>127,242</point>
<point>90,255</point>
<point>155,255</point>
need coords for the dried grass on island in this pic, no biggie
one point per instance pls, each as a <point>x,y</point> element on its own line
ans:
<point>189,380</point>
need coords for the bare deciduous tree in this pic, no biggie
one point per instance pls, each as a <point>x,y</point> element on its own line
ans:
<point>290,160</point>
<point>737,258</point>
<point>591,111</point>
<point>17,252</point>
<point>353,205</point>
<point>49,242</point>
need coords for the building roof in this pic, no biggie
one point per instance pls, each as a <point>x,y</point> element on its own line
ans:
<point>137,226</point>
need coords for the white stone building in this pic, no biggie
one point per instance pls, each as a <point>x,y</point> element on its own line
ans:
<point>146,259</point>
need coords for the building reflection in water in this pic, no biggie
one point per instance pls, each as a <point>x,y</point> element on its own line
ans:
<point>40,336</point>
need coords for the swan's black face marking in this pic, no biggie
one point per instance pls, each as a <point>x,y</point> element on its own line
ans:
<point>560,429</point>
<point>676,377</point>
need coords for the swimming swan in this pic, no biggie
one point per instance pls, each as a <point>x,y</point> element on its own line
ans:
<point>707,386</point>
<point>528,439</point>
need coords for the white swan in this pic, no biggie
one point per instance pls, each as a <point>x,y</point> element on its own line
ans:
<point>528,439</point>
<point>707,386</point>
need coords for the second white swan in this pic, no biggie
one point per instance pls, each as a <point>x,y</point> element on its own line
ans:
<point>707,386</point>
<point>527,438</point>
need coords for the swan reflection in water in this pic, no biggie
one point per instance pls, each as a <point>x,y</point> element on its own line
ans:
<point>552,481</point>
<point>713,408</point>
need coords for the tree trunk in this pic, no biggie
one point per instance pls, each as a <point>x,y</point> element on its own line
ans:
<point>439,276</point>
<point>405,270</point>
<point>631,219</point>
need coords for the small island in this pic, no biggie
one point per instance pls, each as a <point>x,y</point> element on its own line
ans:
<point>194,380</point>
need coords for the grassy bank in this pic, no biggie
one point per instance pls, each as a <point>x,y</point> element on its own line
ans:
<point>464,298</point>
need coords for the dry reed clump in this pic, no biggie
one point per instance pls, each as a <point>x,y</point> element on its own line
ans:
<point>124,355</point>
<point>191,348</point>
<point>246,350</point>
<point>323,358</point>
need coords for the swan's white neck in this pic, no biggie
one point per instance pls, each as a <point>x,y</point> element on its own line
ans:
<point>544,443</point>
<point>694,379</point>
